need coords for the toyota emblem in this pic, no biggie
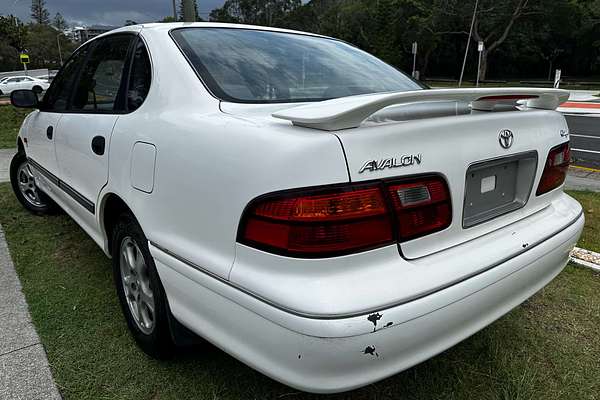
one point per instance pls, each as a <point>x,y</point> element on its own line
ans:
<point>506,138</point>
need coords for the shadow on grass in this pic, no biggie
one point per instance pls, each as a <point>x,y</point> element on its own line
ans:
<point>547,348</point>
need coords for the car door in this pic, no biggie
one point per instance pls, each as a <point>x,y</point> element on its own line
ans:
<point>96,101</point>
<point>12,84</point>
<point>42,125</point>
<point>26,83</point>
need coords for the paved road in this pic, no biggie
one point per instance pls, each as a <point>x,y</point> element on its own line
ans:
<point>585,140</point>
<point>5,157</point>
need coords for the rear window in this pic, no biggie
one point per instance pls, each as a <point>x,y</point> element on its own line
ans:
<point>253,66</point>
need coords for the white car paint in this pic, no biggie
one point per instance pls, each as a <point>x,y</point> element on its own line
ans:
<point>22,82</point>
<point>188,165</point>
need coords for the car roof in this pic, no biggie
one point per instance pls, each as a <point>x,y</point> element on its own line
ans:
<point>168,26</point>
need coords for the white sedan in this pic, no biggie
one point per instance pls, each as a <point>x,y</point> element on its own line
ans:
<point>8,84</point>
<point>297,202</point>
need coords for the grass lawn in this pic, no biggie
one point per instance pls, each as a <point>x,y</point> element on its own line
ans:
<point>591,237</point>
<point>547,348</point>
<point>10,122</point>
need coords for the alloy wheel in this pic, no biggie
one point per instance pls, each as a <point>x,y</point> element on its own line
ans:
<point>27,185</point>
<point>137,286</point>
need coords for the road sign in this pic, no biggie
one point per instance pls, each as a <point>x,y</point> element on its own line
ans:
<point>480,47</point>
<point>24,58</point>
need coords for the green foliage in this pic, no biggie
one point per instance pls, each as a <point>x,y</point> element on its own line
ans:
<point>169,18</point>
<point>42,46</point>
<point>539,34</point>
<point>11,119</point>
<point>59,22</point>
<point>195,2</point>
<point>13,32</point>
<point>255,12</point>
<point>39,40</point>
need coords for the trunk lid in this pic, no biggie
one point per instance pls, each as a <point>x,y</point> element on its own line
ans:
<point>491,160</point>
<point>454,133</point>
<point>466,151</point>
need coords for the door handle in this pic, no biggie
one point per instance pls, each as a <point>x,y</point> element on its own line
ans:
<point>49,132</point>
<point>98,145</point>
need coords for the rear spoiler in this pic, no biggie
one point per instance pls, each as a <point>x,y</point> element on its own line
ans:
<point>350,112</point>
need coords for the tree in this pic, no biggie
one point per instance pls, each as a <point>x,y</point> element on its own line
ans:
<point>13,32</point>
<point>523,38</point>
<point>59,22</point>
<point>197,17</point>
<point>494,22</point>
<point>39,13</point>
<point>169,18</point>
<point>42,46</point>
<point>255,12</point>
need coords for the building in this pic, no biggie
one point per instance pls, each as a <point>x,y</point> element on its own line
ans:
<point>84,33</point>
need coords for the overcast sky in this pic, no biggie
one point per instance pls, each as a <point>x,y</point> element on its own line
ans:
<point>107,12</point>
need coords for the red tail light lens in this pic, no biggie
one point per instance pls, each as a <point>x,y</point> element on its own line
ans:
<point>555,170</point>
<point>346,219</point>
<point>421,207</point>
<point>319,224</point>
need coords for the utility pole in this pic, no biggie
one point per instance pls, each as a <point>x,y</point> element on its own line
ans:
<point>414,51</point>
<point>462,71</point>
<point>59,51</point>
<point>174,10</point>
<point>189,11</point>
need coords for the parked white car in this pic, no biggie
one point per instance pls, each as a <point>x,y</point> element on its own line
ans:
<point>9,84</point>
<point>295,201</point>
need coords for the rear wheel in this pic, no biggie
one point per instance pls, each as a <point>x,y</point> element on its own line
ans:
<point>25,188</point>
<point>37,89</point>
<point>140,291</point>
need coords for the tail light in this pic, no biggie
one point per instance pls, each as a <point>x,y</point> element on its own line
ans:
<point>345,219</point>
<point>421,207</point>
<point>555,170</point>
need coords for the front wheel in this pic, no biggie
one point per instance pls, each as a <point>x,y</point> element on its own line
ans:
<point>37,89</point>
<point>139,289</point>
<point>25,188</point>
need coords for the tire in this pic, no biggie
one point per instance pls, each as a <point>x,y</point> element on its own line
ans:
<point>24,187</point>
<point>37,89</point>
<point>150,329</point>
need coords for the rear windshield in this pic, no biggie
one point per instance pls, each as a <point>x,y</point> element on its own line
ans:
<point>253,66</point>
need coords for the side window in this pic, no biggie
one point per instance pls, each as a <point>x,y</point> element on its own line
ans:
<point>57,96</point>
<point>140,77</point>
<point>100,79</point>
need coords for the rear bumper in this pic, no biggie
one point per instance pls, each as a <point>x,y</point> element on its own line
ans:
<point>338,354</point>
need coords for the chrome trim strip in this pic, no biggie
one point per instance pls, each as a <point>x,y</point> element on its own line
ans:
<point>78,197</point>
<point>368,311</point>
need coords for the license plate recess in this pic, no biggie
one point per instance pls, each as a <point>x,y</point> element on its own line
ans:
<point>496,187</point>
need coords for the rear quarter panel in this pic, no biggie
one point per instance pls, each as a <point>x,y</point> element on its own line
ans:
<point>209,165</point>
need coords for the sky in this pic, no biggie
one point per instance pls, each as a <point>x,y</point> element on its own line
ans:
<point>105,12</point>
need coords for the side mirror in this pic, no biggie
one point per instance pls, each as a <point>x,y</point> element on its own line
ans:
<point>24,99</point>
